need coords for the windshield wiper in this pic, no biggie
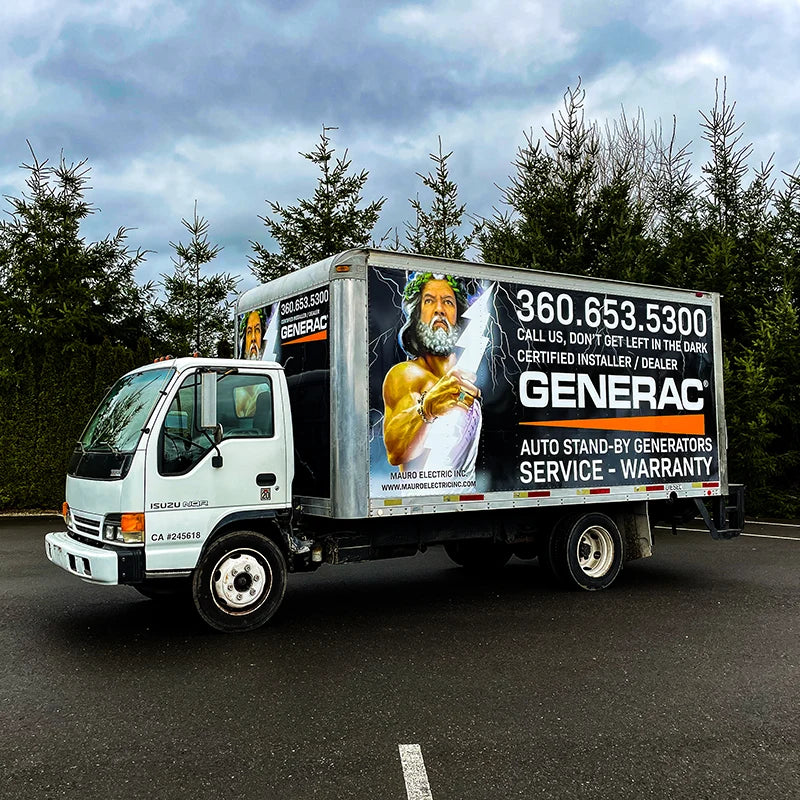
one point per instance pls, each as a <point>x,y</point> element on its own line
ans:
<point>96,445</point>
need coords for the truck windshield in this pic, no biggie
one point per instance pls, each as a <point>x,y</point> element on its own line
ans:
<point>117,424</point>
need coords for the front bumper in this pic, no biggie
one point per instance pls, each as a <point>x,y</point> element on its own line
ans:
<point>95,563</point>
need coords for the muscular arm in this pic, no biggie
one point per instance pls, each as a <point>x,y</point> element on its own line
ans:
<point>403,427</point>
<point>404,430</point>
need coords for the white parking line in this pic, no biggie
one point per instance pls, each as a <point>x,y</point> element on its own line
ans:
<point>754,535</point>
<point>776,524</point>
<point>417,786</point>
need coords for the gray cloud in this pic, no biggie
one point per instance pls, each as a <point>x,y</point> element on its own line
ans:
<point>176,102</point>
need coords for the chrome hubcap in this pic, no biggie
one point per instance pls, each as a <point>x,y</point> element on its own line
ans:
<point>595,551</point>
<point>241,580</point>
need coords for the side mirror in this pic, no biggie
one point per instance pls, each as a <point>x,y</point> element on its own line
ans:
<point>208,400</point>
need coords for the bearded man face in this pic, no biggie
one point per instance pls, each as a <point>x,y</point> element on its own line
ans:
<point>252,336</point>
<point>437,328</point>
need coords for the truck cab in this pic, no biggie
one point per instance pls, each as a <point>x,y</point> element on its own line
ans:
<point>179,453</point>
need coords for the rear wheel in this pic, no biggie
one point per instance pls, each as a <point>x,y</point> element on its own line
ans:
<point>240,582</point>
<point>546,551</point>
<point>478,554</point>
<point>586,551</point>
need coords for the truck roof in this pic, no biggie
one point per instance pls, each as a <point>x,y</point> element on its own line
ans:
<point>354,263</point>
<point>190,362</point>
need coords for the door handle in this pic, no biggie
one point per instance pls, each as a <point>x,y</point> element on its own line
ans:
<point>266,479</point>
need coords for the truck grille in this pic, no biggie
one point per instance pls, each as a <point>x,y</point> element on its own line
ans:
<point>85,525</point>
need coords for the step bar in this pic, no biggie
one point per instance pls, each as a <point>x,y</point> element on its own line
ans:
<point>726,518</point>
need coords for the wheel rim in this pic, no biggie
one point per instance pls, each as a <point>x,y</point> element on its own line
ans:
<point>241,581</point>
<point>595,551</point>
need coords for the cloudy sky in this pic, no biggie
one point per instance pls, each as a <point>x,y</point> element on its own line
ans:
<point>174,101</point>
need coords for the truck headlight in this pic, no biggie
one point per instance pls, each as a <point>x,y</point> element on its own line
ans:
<point>112,528</point>
<point>127,528</point>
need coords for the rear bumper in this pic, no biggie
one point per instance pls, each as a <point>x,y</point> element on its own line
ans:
<point>99,563</point>
<point>726,519</point>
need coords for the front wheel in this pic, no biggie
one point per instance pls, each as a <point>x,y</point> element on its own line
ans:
<point>240,582</point>
<point>587,551</point>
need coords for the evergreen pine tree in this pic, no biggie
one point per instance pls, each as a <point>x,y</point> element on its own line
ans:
<point>53,283</point>
<point>435,232</point>
<point>59,294</point>
<point>563,213</point>
<point>331,221</point>
<point>196,314</point>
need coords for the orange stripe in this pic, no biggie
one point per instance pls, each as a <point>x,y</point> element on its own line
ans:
<point>692,424</point>
<point>312,337</point>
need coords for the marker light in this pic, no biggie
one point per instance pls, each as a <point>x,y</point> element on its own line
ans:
<point>132,528</point>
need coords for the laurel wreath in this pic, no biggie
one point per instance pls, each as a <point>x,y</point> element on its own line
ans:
<point>419,279</point>
<point>243,320</point>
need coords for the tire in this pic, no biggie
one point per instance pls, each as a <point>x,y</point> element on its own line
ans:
<point>240,582</point>
<point>546,547</point>
<point>586,551</point>
<point>478,555</point>
<point>166,589</point>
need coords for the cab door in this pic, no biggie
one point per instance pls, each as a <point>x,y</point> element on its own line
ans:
<point>192,482</point>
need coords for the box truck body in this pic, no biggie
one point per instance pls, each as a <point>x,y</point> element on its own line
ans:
<point>416,401</point>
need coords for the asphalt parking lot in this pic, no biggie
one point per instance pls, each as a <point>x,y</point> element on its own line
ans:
<point>681,681</point>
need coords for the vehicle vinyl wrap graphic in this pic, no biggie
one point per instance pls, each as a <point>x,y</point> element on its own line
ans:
<point>572,389</point>
<point>265,332</point>
<point>294,332</point>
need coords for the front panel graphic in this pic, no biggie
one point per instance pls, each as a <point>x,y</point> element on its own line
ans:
<point>294,332</point>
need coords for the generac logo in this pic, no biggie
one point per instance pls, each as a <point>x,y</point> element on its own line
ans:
<point>579,390</point>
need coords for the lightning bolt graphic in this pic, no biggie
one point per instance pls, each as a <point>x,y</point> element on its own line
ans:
<point>453,441</point>
<point>271,336</point>
<point>473,340</point>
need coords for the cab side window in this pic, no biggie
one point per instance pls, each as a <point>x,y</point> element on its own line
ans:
<point>244,409</point>
<point>245,406</point>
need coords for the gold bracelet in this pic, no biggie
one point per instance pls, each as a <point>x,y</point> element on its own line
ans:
<point>421,410</point>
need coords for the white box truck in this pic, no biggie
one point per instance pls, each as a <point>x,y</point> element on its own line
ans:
<point>381,403</point>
